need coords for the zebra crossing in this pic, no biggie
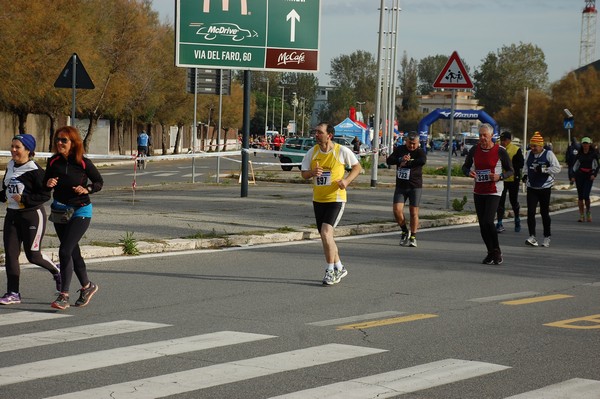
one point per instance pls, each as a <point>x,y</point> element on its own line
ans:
<point>390,384</point>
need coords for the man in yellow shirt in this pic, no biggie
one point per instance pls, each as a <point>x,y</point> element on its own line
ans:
<point>326,164</point>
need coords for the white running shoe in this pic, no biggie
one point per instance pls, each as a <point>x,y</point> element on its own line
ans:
<point>531,241</point>
<point>546,242</point>
<point>339,275</point>
<point>329,278</point>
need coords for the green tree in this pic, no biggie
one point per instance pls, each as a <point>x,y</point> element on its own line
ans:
<point>509,70</point>
<point>580,93</point>
<point>354,77</point>
<point>428,70</point>
<point>408,78</point>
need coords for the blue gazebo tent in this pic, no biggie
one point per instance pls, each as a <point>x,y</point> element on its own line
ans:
<point>350,128</point>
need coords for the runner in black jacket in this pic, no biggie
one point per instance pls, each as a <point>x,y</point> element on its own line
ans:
<point>25,220</point>
<point>73,178</point>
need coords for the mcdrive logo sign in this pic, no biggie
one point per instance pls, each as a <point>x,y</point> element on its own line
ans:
<point>248,34</point>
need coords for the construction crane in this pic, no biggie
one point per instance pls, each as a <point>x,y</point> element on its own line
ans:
<point>588,33</point>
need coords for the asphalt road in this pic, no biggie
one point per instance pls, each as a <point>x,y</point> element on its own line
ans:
<point>427,322</point>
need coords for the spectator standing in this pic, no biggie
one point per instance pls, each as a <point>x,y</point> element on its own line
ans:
<point>68,173</point>
<point>25,220</point>
<point>572,151</point>
<point>512,183</point>
<point>488,164</point>
<point>325,163</point>
<point>540,167</point>
<point>409,160</point>
<point>585,170</point>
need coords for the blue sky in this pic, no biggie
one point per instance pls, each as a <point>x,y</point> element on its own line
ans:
<point>473,28</point>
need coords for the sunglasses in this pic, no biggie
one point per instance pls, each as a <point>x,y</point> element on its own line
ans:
<point>62,140</point>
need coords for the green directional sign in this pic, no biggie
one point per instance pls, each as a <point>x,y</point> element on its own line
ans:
<point>248,34</point>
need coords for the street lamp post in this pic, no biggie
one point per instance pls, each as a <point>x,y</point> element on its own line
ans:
<point>295,104</point>
<point>303,104</point>
<point>282,100</point>
<point>267,110</point>
<point>360,104</point>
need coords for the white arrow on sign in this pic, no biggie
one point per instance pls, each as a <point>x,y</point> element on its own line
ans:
<point>293,15</point>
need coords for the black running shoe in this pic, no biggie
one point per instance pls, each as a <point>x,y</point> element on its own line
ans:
<point>489,259</point>
<point>85,294</point>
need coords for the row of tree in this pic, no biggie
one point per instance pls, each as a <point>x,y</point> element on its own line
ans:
<point>500,84</point>
<point>128,52</point>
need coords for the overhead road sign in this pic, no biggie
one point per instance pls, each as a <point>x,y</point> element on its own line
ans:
<point>278,35</point>
<point>453,75</point>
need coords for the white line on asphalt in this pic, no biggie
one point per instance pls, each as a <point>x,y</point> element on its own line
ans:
<point>505,296</point>
<point>219,374</point>
<point>27,317</point>
<point>122,355</point>
<point>344,320</point>
<point>398,382</point>
<point>575,388</point>
<point>70,334</point>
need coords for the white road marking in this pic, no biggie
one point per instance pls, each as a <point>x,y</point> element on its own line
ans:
<point>576,388</point>
<point>27,317</point>
<point>398,382</point>
<point>122,355</point>
<point>351,319</point>
<point>70,334</point>
<point>504,297</point>
<point>226,373</point>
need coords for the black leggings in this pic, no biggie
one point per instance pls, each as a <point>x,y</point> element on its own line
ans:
<point>69,253</point>
<point>486,207</point>
<point>541,196</point>
<point>512,188</point>
<point>27,227</point>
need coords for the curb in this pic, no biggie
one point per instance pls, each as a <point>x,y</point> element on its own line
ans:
<point>242,240</point>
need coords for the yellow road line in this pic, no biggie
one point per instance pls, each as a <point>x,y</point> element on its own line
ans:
<point>385,322</point>
<point>536,299</point>
<point>586,323</point>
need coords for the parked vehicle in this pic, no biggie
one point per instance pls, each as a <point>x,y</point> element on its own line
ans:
<point>468,143</point>
<point>299,145</point>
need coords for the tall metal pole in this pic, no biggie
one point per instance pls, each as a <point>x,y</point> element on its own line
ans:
<point>376,126</point>
<point>303,105</point>
<point>282,97</point>
<point>267,110</point>
<point>246,134</point>
<point>74,88</point>
<point>453,105</point>
<point>219,124</point>
<point>393,73</point>
<point>195,129</point>
<point>524,145</point>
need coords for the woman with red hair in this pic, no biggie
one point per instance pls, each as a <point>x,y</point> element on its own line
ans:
<point>73,177</point>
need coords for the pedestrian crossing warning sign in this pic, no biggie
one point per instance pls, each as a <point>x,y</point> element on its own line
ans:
<point>454,75</point>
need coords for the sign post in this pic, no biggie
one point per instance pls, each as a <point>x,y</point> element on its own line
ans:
<point>74,76</point>
<point>267,35</point>
<point>453,76</point>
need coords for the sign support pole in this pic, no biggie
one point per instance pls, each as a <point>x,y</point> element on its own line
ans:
<point>450,140</point>
<point>246,133</point>
<point>74,88</point>
<point>195,129</point>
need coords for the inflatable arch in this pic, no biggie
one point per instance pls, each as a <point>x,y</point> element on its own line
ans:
<point>439,113</point>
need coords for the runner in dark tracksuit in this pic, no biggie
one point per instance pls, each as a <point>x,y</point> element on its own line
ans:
<point>25,220</point>
<point>73,178</point>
